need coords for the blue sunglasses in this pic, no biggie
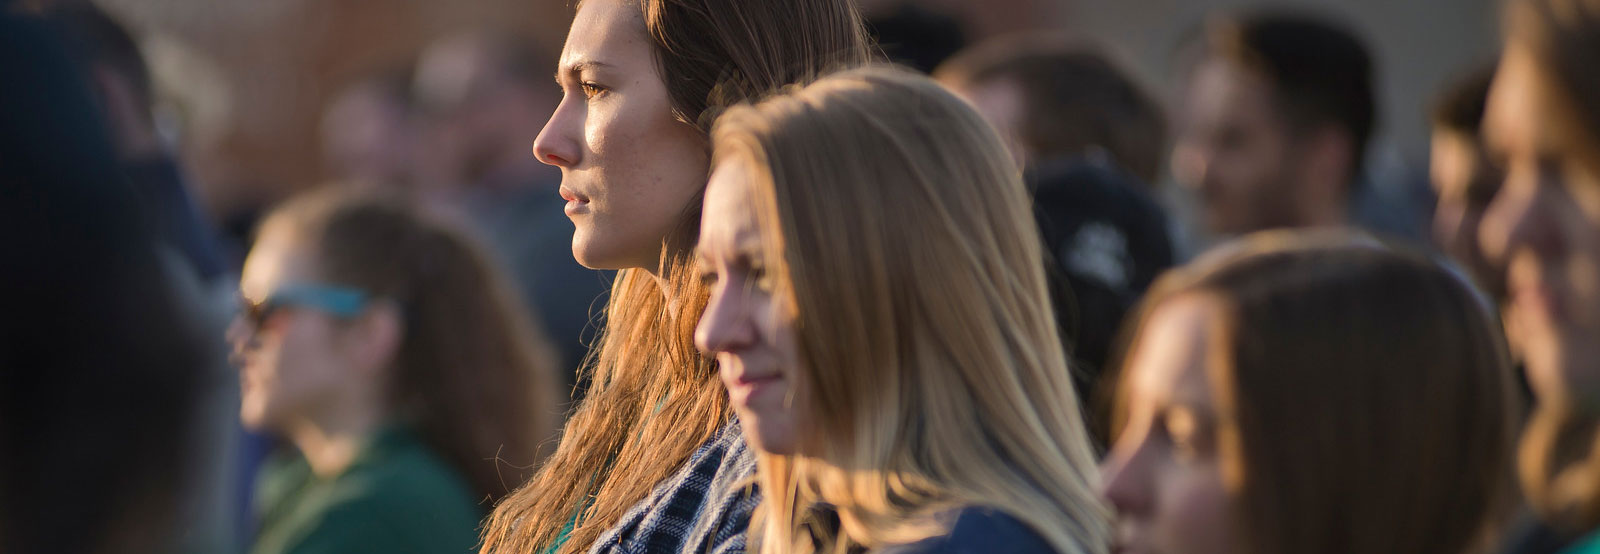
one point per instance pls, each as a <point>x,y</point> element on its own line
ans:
<point>338,301</point>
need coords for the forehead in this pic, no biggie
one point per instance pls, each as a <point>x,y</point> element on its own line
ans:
<point>275,259</point>
<point>1511,116</point>
<point>1174,349</point>
<point>1221,88</point>
<point>729,205</point>
<point>609,31</point>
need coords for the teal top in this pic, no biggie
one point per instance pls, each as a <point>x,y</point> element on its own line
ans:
<point>1588,545</point>
<point>396,496</point>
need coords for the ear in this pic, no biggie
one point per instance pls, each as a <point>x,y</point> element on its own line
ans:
<point>374,338</point>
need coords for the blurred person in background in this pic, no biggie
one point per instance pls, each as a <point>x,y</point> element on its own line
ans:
<point>1465,180</point>
<point>653,459</point>
<point>896,368</point>
<point>1312,393</point>
<point>1542,230</point>
<point>485,98</point>
<point>121,83</point>
<point>370,133</point>
<point>386,348</point>
<point>1090,141</point>
<point>113,65</point>
<point>912,34</point>
<point>1274,122</point>
<point>102,354</point>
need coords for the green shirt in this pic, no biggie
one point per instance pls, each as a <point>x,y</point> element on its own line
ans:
<point>396,496</point>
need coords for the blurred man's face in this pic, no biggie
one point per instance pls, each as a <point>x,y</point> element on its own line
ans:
<point>1464,183</point>
<point>1235,150</point>
<point>1001,102</point>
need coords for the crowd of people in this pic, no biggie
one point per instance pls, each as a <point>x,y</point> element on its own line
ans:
<point>778,278</point>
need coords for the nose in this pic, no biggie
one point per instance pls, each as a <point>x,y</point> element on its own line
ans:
<point>1518,218</point>
<point>1125,478</point>
<point>558,143</point>
<point>727,324</point>
<point>239,335</point>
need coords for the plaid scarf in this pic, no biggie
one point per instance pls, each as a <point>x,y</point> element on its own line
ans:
<point>705,507</point>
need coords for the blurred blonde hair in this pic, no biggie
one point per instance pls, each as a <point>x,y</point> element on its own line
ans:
<point>653,398</point>
<point>935,379</point>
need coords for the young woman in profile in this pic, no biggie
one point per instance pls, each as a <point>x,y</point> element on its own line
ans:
<point>1312,393</point>
<point>879,316</point>
<point>1543,230</point>
<point>381,344</point>
<point>652,458</point>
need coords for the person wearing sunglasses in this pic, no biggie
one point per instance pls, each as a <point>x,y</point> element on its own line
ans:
<point>385,347</point>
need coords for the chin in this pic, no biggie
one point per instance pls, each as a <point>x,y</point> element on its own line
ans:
<point>767,436</point>
<point>596,254</point>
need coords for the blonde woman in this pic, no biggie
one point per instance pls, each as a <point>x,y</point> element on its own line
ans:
<point>652,459</point>
<point>879,315</point>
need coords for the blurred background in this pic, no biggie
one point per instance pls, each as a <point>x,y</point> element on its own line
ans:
<point>244,84</point>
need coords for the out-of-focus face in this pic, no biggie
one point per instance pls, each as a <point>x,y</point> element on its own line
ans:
<point>368,138</point>
<point>629,170</point>
<point>1543,229</point>
<point>293,367</point>
<point>749,325</point>
<point>1163,475</point>
<point>1235,151</point>
<point>1002,104</point>
<point>1464,183</point>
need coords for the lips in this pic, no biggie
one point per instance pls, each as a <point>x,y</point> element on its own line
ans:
<point>576,203</point>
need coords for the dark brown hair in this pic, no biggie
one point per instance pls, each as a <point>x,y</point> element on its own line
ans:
<point>1559,457</point>
<point>654,398</point>
<point>1319,71</point>
<point>1365,398</point>
<point>1460,106</point>
<point>472,377</point>
<point>1074,98</point>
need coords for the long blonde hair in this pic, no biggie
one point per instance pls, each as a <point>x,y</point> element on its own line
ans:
<point>935,380</point>
<point>653,397</point>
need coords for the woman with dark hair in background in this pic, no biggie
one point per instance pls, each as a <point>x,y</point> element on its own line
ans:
<point>1542,230</point>
<point>652,458</point>
<point>880,317</point>
<point>389,351</point>
<point>1312,393</point>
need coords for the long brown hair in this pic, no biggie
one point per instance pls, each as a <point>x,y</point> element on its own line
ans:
<point>653,397</point>
<point>473,376</point>
<point>912,259</point>
<point>1559,459</point>
<point>1364,396</point>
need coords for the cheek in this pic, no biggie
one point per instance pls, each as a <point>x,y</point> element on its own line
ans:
<point>1193,513</point>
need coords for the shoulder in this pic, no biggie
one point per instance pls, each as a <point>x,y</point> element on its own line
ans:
<point>411,497</point>
<point>979,530</point>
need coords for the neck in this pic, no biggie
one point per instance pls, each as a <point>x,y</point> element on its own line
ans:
<point>331,445</point>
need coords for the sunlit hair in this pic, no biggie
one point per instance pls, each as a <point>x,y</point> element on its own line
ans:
<point>1364,396</point>
<point>933,374</point>
<point>472,377</point>
<point>653,397</point>
<point>1560,452</point>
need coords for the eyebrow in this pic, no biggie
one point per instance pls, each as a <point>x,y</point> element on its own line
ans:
<point>578,67</point>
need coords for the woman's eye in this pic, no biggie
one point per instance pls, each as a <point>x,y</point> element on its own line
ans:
<point>759,276</point>
<point>591,89</point>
